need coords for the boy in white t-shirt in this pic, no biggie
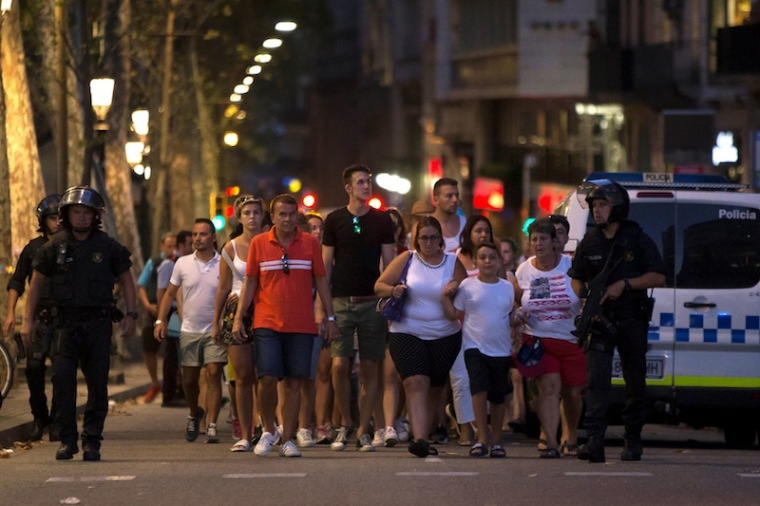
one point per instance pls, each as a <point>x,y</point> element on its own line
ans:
<point>486,302</point>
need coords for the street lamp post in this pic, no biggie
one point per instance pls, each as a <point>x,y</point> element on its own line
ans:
<point>101,98</point>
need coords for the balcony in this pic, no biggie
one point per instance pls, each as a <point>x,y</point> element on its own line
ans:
<point>664,66</point>
<point>609,71</point>
<point>739,49</point>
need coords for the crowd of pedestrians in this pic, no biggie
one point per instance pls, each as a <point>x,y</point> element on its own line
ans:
<point>287,312</point>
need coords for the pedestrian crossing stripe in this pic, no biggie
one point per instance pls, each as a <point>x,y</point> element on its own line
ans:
<point>263,475</point>
<point>70,479</point>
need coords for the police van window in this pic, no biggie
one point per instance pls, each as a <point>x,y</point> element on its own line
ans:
<point>658,221</point>
<point>703,245</point>
<point>720,246</point>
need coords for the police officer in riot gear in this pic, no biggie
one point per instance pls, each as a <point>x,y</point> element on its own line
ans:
<point>635,265</point>
<point>80,264</point>
<point>37,353</point>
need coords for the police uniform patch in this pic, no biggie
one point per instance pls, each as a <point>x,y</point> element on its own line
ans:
<point>628,255</point>
<point>97,257</point>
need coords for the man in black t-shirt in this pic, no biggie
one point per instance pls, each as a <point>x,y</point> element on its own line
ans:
<point>356,238</point>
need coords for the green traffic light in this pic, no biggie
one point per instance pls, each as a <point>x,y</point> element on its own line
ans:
<point>219,222</point>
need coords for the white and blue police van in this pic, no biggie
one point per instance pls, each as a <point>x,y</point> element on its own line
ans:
<point>703,365</point>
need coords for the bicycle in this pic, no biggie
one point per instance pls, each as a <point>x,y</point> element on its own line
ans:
<point>8,366</point>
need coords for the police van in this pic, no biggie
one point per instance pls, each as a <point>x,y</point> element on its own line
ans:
<point>703,365</point>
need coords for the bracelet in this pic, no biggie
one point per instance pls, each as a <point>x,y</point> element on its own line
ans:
<point>331,318</point>
<point>157,323</point>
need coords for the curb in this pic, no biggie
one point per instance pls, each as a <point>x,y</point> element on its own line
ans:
<point>19,432</point>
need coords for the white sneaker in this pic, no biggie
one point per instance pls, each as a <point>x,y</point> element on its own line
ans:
<point>364,443</point>
<point>265,444</point>
<point>211,436</point>
<point>341,439</point>
<point>304,439</point>
<point>289,450</point>
<point>277,435</point>
<point>391,437</point>
<point>402,429</point>
<point>379,438</point>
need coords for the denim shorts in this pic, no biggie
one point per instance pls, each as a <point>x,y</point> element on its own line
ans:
<point>286,354</point>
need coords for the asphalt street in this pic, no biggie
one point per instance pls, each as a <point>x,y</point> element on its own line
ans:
<point>146,460</point>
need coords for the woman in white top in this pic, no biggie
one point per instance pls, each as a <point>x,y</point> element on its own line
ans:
<point>549,306</point>
<point>249,211</point>
<point>425,343</point>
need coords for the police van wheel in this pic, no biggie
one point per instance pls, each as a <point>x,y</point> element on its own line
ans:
<point>740,433</point>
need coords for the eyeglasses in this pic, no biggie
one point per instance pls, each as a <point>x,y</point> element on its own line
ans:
<point>285,266</point>
<point>429,238</point>
<point>357,225</point>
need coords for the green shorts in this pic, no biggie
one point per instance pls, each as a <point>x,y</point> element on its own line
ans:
<point>358,315</point>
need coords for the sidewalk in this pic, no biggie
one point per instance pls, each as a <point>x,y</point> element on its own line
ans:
<point>126,380</point>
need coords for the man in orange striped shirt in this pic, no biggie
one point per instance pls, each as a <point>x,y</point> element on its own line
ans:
<point>283,266</point>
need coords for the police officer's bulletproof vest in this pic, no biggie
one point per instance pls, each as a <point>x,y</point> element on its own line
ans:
<point>83,274</point>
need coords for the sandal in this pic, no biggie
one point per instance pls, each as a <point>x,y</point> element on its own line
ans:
<point>421,448</point>
<point>478,450</point>
<point>497,452</point>
<point>432,451</point>
<point>241,446</point>
<point>568,450</point>
<point>549,453</point>
<point>542,445</point>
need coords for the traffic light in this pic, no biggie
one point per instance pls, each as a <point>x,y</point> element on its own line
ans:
<point>232,191</point>
<point>376,202</point>
<point>229,211</point>
<point>216,209</point>
<point>309,200</point>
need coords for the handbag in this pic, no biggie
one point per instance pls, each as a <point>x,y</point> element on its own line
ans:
<point>230,308</point>
<point>228,318</point>
<point>392,308</point>
<point>531,352</point>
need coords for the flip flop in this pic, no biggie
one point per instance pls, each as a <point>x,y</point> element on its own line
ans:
<point>542,445</point>
<point>241,446</point>
<point>497,452</point>
<point>478,450</point>
<point>568,450</point>
<point>549,453</point>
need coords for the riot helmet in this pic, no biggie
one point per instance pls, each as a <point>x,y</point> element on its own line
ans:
<point>47,207</point>
<point>85,196</point>
<point>610,191</point>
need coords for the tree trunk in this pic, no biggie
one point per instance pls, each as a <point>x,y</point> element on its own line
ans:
<point>118,173</point>
<point>209,145</point>
<point>49,38</point>
<point>26,186</point>
<point>6,254</point>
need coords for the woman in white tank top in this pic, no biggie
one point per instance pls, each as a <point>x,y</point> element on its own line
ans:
<point>249,210</point>
<point>425,343</point>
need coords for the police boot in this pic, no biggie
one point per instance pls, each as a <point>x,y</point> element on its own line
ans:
<point>593,450</point>
<point>66,451</point>
<point>37,428</point>
<point>632,448</point>
<point>91,452</point>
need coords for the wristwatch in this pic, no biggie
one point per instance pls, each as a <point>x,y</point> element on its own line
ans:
<point>132,314</point>
<point>331,318</point>
<point>627,285</point>
<point>157,322</point>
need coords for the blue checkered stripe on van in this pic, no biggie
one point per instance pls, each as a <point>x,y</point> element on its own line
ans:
<point>721,328</point>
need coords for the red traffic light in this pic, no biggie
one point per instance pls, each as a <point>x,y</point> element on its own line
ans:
<point>376,202</point>
<point>232,191</point>
<point>309,200</point>
<point>229,211</point>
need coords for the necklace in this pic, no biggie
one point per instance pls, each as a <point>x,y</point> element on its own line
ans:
<point>428,265</point>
